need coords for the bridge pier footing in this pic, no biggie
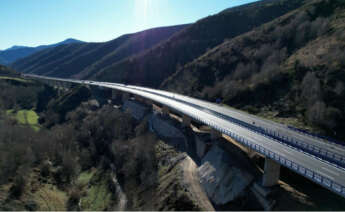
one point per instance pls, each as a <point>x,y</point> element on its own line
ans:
<point>271,173</point>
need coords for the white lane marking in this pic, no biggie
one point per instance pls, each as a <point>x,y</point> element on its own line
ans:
<point>333,172</point>
<point>329,177</point>
<point>287,151</point>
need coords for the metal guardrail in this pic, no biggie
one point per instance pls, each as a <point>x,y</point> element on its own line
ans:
<point>332,157</point>
<point>314,135</point>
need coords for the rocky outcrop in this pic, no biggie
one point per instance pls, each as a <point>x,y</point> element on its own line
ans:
<point>179,183</point>
<point>223,179</point>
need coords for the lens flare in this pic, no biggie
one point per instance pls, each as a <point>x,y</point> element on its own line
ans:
<point>141,12</point>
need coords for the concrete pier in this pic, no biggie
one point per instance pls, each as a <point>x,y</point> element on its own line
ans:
<point>186,121</point>
<point>271,173</point>
<point>165,111</point>
<point>215,134</point>
<point>125,97</point>
<point>114,94</point>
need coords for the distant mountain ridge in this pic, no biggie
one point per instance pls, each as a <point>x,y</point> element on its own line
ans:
<point>152,67</point>
<point>151,56</point>
<point>83,60</point>
<point>15,53</point>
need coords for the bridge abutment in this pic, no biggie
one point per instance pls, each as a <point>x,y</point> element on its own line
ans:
<point>271,173</point>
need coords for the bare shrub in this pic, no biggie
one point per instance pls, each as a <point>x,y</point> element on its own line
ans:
<point>18,187</point>
<point>311,89</point>
<point>316,113</point>
<point>243,71</point>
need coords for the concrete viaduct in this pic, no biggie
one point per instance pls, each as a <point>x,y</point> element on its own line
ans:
<point>320,161</point>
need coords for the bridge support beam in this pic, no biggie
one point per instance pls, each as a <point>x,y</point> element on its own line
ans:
<point>165,111</point>
<point>186,121</point>
<point>125,96</point>
<point>139,98</point>
<point>61,85</point>
<point>215,134</point>
<point>251,153</point>
<point>114,94</point>
<point>50,83</point>
<point>148,102</point>
<point>271,173</point>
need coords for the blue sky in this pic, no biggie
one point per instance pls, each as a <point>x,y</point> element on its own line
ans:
<point>37,22</point>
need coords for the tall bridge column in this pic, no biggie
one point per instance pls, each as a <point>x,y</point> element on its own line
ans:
<point>149,102</point>
<point>125,96</point>
<point>165,111</point>
<point>186,121</point>
<point>215,134</point>
<point>50,83</point>
<point>114,94</point>
<point>139,98</point>
<point>271,173</point>
<point>61,85</point>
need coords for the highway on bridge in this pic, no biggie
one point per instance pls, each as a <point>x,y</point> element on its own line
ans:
<point>328,173</point>
<point>329,151</point>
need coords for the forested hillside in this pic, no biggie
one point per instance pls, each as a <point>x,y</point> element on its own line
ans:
<point>291,67</point>
<point>84,59</point>
<point>65,150</point>
<point>153,66</point>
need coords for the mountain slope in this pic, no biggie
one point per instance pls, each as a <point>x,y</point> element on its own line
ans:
<point>82,60</point>
<point>7,71</point>
<point>155,65</point>
<point>292,67</point>
<point>14,53</point>
<point>2,60</point>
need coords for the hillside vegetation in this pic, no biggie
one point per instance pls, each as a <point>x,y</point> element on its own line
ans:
<point>84,59</point>
<point>153,66</point>
<point>82,156</point>
<point>292,66</point>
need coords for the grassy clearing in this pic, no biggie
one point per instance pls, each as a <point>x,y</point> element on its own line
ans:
<point>26,117</point>
<point>85,177</point>
<point>49,198</point>
<point>97,198</point>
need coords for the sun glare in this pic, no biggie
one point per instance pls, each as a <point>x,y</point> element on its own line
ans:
<point>142,12</point>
